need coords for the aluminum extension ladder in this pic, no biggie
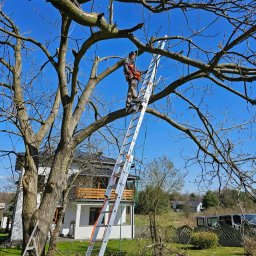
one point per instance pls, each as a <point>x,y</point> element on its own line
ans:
<point>123,163</point>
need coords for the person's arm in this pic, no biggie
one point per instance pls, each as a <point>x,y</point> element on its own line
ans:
<point>128,71</point>
<point>126,66</point>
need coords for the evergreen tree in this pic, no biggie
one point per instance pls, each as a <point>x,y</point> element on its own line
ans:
<point>210,199</point>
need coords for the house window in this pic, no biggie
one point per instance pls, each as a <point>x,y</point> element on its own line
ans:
<point>94,214</point>
<point>95,182</point>
<point>200,222</point>
<point>103,182</point>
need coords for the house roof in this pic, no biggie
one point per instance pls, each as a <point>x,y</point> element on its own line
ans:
<point>91,164</point>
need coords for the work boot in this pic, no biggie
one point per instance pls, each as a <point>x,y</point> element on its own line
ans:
<point>130,110</point>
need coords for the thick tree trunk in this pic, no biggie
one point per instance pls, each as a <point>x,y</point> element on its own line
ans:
<point>51,196</point>
<point>55,233</point>
<point>155,236</point>
<point>29,183</point>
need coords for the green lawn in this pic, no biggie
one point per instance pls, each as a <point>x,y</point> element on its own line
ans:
<point>167,219</point>
<point>3,237</point>
<point>135,247</point>
<point>219,251</point>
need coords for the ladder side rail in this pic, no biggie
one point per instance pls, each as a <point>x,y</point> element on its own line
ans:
<point>121,157</point>
<point>153,65</point>
<point>100,219</point>
<point>147,77</point>
<point>96,228</point>
<point>30,239</point>
<point>37,254</point>
<point>113,216</point>
<point>121,179</point>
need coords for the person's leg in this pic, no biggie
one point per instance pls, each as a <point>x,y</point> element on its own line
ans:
<point>132,92</point>
<point>129,94</point>
<point>134,89</point>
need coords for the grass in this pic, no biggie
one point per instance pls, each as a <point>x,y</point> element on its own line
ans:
<point>3,237</point>
<point>136,247</point>
<point>218,251</point>
<point>175,219</point>
<point>133,248</point>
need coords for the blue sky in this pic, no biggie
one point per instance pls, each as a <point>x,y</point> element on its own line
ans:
<point>40,20</point>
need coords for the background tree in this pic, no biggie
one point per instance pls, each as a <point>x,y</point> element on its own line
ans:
<point>49,86</point>
<point>232,198</point>
<point>210,199</point>
<point>152,199</point>
<point>160,178</point>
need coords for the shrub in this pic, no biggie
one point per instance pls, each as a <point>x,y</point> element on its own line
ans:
<point>204,240</point>
<point>250,246</point>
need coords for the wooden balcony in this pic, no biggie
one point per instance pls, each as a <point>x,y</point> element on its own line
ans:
<point>98,194</point>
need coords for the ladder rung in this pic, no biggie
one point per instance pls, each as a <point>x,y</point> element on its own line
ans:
<point>113,186</point>
<point>93,242</point>
<point>127,144</point>
<point>128,136</point>
<point>133,126</point>
<point>31,248</point>
<point>136,118</point>
<point>102,225</point>
<point>121,163</point>
<point>118,174</point>
<point>143,90</point>
<point>109,211</point>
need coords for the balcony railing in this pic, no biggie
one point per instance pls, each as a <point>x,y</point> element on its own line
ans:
<point>95,193</point>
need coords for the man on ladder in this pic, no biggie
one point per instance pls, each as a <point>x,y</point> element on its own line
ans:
<point>133,76</point>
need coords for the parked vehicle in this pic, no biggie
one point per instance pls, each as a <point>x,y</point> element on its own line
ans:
<point>234,220</point>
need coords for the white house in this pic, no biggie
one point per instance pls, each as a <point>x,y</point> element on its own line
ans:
<point>194,205</point>
<point>85,199</point>
<point>3,219</point>
<point>6,199</point>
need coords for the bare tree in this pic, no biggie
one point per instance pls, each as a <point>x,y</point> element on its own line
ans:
<point>37,104</point>
<point>160,179</point>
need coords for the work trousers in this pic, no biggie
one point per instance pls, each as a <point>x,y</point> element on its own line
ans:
<point>132,91</point>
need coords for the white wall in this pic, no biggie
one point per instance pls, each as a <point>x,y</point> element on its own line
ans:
<point>70,216</point>
<point>83,229</point>
<point>85,232</point>
<point>4,222</point>
<point>16,232</point>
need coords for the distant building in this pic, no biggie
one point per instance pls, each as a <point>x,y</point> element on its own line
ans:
<point>3,219</point>
<point>5,215</point>
<point>194,206</point>
<point>85,199</point>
